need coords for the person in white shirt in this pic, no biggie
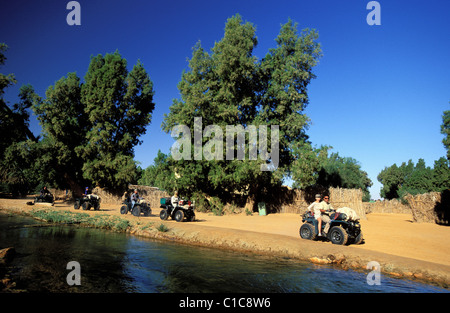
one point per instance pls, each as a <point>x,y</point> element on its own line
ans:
<point>315,204</point>
<point>315,208</point>
<point>175,199</point>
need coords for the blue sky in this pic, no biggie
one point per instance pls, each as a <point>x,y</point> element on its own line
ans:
<point>378,97</point>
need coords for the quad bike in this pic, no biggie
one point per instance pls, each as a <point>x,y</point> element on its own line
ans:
<point>48,197</point>
<point>88,202</point>
<point>343,230</point>
<point>184,209</point>
<point>139,207</point>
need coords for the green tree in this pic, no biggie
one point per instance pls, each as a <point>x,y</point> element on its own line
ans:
<point>441,174</point>
<point>91,128</point>
<point>20,173</point>
<point>119,106</point>
<point>408,178</point>
<point>345,172</point>
<point>64,123</point>
<point>17,142</point>
<point>417,180</point>
<point>5,80</point>
<point>287,72</point>
<point>159,174</point>
<point>14,125</point>
<point>229,86</point>
<point>391,178</point>
<point>305,168</point>
<point>445,130</point>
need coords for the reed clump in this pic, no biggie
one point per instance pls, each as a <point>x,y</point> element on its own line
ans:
<point>103,221</point>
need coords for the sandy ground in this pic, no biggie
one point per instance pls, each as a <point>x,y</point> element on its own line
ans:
<point>402,248</point>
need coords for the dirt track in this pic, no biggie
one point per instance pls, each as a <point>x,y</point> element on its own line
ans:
<point>403,248</point>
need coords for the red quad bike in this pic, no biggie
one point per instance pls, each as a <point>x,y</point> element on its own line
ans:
<point>180,211</point>
<point>342,229</point>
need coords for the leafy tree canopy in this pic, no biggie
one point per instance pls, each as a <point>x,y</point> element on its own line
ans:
<point>345,172</point>
<point>414,178</point>
<point>93,126</point>
<point>17,142</point>
<point>230,86</point>
<point>445,130</point>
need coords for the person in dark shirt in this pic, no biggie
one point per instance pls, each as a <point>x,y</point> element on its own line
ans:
<point>134,198</point>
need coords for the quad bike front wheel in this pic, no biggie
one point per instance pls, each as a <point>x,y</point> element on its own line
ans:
<point>164,215</point>
<point>147,211</point>
<point>191,217</point>
<point>338,235</point>
<point>359,239</point>
<point>136,210</point>
<point>123,209</point>
<point>179,216</point>
<point>86,206</point>
<point>307,231</point>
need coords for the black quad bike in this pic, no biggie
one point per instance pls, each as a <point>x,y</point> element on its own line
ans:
<point>342,230</point>
<point>180,211</point>
<point>88,202</point>
<point>48,197</point>
<point>139,207</point>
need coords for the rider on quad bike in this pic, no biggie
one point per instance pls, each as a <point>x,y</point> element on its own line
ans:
<point>177,209</point>
<point>135,204</point>
<point>343,225</point>
<point>45,196</point>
